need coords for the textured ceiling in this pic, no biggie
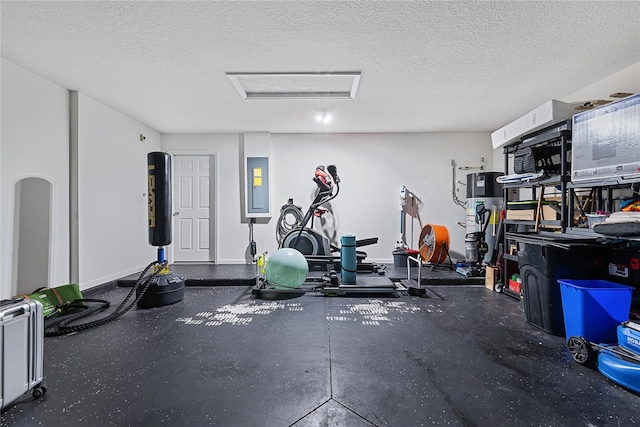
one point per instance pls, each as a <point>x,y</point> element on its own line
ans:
<point>426,66</point>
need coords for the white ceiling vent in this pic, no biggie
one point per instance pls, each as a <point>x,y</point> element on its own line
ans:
<point>339,85</point>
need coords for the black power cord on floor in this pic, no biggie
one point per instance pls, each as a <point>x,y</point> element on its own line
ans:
<point>55,326</point>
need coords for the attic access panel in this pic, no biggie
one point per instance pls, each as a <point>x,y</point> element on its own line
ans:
<point>322,85</point>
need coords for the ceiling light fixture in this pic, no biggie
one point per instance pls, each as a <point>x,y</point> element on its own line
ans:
<point>323,118</point>
<point>322,85</point>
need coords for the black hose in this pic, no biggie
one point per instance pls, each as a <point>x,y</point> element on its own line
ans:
<point>57,326</point>
<point>283,228</point>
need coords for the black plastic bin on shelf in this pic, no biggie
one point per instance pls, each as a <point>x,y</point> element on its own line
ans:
<point>544,260</point>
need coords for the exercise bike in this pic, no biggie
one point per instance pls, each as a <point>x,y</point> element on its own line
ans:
<point>317,248</point>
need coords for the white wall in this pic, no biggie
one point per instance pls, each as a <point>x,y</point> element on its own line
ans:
<point>112,186</point>
<point>112,213</point>
<point>625,80</point>
<point>372,167</point>
<point>112,177</point>
<point>35,136</point>
<point>230,236</point>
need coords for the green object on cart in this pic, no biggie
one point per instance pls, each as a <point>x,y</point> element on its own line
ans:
<point>50,298</point>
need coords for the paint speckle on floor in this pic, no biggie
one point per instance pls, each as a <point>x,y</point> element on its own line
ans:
<point>373,312</point>
<point>238,314</point>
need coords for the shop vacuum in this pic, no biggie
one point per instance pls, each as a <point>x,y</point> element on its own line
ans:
<point>165,287</point>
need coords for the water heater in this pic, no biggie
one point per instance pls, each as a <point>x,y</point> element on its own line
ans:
<point>484,202</point>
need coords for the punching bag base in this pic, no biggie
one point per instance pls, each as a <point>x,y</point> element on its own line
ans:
<point>163,290</point>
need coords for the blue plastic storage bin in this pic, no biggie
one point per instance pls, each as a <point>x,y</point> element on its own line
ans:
<point>593,309</point>
<point>544,261</point>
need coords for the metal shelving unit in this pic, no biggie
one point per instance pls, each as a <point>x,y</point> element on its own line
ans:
<point>564,226</point>
<point>560,178</point>
<point>604,200</point>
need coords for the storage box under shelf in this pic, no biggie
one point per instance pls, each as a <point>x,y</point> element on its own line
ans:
<point>548,214</point>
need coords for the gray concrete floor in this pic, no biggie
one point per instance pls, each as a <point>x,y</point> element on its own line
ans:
<point>462,356</point>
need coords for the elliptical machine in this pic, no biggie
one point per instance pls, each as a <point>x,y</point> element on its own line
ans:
<point>306,240</point>
<point>317,248</point>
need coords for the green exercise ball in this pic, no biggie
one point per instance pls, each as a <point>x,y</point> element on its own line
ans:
<point>286,269</point>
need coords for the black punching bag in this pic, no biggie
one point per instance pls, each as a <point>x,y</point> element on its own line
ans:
<point>159,179</point>
<point>165,287</point>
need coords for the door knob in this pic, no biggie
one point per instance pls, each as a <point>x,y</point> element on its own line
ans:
<point>176,213</point>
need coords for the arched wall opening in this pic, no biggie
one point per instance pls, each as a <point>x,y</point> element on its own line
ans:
<point>32,235</point>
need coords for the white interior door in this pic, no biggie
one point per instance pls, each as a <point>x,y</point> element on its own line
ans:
<point>193,209</point>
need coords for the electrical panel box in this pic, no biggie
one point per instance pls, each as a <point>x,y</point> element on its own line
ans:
<point>256,175</point>
<point>606,143</point>
<point>257,185</point>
